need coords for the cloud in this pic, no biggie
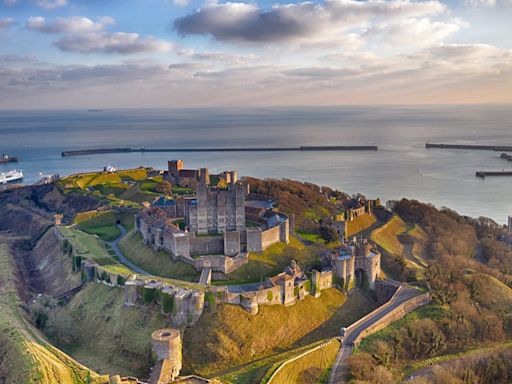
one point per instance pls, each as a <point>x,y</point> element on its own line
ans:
<point>111,42</point>
<point>247,22</point>
<point>81,34</point>
<point>51,4</point>
<point>73,24</point>
<point>181,3</point>
<point>10,2</point>
<point>220,57</point>
<point>6,22</point>
<point>414,32</point>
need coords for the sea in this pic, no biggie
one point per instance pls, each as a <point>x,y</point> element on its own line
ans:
<point>402,167</point>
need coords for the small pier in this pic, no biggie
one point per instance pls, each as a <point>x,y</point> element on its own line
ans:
<point>484,174</point>
<point>98,151</point>
<point>469,146</point>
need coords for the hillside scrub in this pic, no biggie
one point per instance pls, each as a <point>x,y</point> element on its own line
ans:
<point>472,301</point>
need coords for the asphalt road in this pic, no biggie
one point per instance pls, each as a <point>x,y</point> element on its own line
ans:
<point>122,257</point>
<point>339,371</point>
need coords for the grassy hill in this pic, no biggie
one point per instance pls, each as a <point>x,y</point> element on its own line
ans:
<point>156,263</point>
<point>232,338</point>
<point>491,292</point>
<point>311,368</point>
<point>274,259</point>
<point>404,248</point>
<point>103,223</point>
<point>26,357</point>
<point>360,224</point>
<point>97,329</point>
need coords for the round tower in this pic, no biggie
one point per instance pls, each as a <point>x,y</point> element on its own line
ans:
<point>166,345</point>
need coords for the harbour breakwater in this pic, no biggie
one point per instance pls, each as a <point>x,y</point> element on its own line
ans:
<point>469,146</point>
<point>98,151</point>
<point>484,174</point>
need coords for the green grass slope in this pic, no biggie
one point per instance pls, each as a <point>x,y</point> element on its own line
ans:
<point>274,259</point>
<point>98,330</point>
<point>311,368</point>
<point>26,357</point>
<point>232,338</point>
<point>156,263</point>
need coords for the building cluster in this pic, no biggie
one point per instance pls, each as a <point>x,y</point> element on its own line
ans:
<point>209,229</point>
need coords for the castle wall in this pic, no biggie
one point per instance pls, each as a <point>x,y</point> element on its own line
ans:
<point>270,236</point>
<point>205,245</point>
<point>232,243</point>
<point>254,240</point>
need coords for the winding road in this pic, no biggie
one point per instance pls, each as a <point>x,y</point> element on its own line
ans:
<point>339,369</point>
<point>122,258</point>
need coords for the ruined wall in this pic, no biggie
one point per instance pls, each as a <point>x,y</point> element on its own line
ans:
<point>270,236</point>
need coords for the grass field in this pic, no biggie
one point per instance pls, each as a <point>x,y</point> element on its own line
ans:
<point>311,368</point>
<point>404,243</point>
<point>387,235</point>
<point>92,179</point>
<point>310,236</point>
<point>492,293</point>
<point>273,260</point>
<point>360,224</point>
<point>156,263</point>
<point>103,223</point>
<point>232,338</point>
<point>26,357</point>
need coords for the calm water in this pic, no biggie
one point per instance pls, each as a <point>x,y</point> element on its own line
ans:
<point>401,168</point>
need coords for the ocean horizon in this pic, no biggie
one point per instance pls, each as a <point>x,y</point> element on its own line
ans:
<point>402,167</point>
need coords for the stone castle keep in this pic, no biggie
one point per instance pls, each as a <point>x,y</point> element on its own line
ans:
<point>214,233</point>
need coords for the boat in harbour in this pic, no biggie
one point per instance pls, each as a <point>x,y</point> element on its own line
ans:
<point>11,176</point>
<point>8,159</point>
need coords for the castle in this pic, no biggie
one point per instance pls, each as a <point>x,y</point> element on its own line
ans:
<point>355,261</point>
<point>214,234</point>
<point>356,207</point>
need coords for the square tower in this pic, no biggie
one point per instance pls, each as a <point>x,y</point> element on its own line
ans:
<point>174,167</point>
<point>510,224</point>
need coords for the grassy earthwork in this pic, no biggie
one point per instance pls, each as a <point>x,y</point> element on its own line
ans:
<point>157,263</point>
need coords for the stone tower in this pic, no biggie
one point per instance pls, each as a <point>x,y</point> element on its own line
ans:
<point>166,347</point>
<point>174,167</point>
<point>240,189</point>
<point>510,224</point>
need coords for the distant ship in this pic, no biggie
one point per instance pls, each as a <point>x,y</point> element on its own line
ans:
<point>11,176</point>
<point>8,159</point>
<point>109,168</point>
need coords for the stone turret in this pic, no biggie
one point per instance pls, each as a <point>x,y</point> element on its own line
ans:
<point>166,348</point>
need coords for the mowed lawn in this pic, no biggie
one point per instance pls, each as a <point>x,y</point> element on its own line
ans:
<point>156,263</point>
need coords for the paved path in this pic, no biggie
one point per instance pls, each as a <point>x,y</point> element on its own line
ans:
<point>122,258</point>
<point>339,370</point>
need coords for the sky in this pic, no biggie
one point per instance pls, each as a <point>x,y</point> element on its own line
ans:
<point>61,54</point>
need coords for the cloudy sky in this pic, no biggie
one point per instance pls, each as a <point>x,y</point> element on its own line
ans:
<point>195,53</point>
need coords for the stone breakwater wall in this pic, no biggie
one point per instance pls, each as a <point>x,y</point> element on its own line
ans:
<point>394,315</point>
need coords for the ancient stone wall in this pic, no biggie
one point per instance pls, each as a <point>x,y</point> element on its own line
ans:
<point>204,245</point>
<point>231,243</point>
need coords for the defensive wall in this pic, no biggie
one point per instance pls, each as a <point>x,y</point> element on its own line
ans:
<point>392,316</point>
